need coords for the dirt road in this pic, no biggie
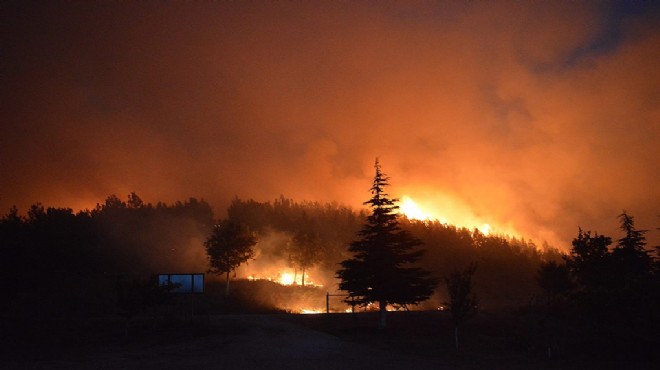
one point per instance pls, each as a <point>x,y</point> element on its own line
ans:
<point>241,342</point>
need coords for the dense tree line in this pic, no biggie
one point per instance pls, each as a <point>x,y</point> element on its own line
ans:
<point>57,261</point>
<point>508,266</point>
<point>609,290</point>
<point>605,282</point>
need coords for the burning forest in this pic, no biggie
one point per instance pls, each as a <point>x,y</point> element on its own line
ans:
<point>300,246</point>
<point>521,137</point>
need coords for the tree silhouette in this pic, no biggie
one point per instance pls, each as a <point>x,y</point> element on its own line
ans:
<point>377,272</point>
<point>631,259</point>
<point>112,202</point>
<point>134,201</point>
<point>613,285</point>
<point>305,251</point>
<point>228,247</point>
<point>589,259</point>
<point>462,300</point>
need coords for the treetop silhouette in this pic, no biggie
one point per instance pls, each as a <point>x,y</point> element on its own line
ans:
<point>229,246</point>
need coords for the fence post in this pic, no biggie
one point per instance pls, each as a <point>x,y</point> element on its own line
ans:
<point>327,302</point>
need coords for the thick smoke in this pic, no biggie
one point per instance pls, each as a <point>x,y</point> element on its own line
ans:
<point>507,113</point>
<point>272,262</point>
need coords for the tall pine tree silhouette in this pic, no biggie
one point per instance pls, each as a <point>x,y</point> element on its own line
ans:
<point>631,258</point>
<point>380,270</point>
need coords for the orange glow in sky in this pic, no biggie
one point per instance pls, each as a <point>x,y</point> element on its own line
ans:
<point>500,113</point>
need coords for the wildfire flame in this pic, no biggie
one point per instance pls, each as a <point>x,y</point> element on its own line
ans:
<point>411,210</point>
<point>309,312</point>
<point>286,278</point>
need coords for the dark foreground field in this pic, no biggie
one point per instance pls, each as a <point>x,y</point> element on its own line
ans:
<point>413,340</point>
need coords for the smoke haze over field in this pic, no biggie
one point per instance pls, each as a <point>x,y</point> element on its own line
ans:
<point>534,117</point>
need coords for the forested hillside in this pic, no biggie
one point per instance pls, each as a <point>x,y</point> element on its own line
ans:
<point>54,260</point>
<point>507,266</point>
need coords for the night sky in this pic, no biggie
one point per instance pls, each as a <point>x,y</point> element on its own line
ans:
<point>534,116</point>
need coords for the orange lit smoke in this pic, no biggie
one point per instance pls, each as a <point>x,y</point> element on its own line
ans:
<point>271,264</point>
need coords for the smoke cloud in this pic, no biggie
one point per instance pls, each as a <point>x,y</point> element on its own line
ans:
<point>533,117</point>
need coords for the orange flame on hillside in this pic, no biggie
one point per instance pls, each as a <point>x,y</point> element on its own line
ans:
<point>287,278</point>
<point>413,211</point>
